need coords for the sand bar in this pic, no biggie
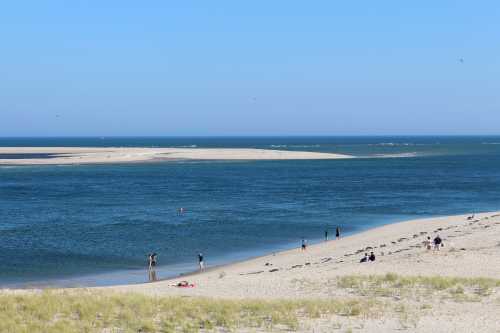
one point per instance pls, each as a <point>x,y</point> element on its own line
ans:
<point>83,155</point>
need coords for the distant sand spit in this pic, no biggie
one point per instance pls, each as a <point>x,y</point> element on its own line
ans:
<point>83,155</point>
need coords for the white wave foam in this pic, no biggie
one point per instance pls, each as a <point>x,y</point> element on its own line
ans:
<point>400,155</point>
<point>306,146</point>
<point>399,144</point>
<point>295,146</point>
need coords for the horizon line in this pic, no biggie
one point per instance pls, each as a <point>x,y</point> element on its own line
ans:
<point>242,136</point>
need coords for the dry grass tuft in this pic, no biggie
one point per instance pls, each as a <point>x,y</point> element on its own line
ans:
<point>392,285</point>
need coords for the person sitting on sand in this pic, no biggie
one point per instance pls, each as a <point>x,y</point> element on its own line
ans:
<point>428,243</point>
<point>304,244</point>
<point>437,242</point>
<point>365,258</point>
<point>372,256</point>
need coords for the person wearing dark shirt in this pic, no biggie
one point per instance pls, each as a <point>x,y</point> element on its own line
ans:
<point>437,242</point>
<point>201,262</point>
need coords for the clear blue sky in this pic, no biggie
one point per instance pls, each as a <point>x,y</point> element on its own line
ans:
<point>249,67</point>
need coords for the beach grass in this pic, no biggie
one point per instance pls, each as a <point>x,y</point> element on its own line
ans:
<point>98,311</point>
<point>390,284</point>
<point>82,310</point>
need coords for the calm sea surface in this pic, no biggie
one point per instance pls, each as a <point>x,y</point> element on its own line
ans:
<point>95,224</point>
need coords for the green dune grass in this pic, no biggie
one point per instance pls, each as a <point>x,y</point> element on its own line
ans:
<point>92,311</point>
<point>101,311</point>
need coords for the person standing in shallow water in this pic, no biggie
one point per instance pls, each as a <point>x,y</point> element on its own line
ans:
<point>337,233</point>
<point>326,235</point>
<point>201,262</point>
<point>152,257</point>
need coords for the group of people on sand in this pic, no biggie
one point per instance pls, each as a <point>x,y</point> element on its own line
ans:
<point>303,246</point>
<point>368,258</point>
<point>437,242</point>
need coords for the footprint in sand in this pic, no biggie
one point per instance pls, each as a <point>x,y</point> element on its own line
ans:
<point>250,273</point>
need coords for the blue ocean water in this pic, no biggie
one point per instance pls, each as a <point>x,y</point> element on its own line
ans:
<point>95,224</point>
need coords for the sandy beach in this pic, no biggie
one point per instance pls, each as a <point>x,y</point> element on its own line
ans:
<point>471,250</point>
<point>82,155</point>
<point>407,287</point>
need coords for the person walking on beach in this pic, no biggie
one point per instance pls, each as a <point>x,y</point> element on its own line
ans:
<point>437,242</point>
<point>337,232</point>
<point>326,235</point>
<point>201,263</point>
<point>304,244</point>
